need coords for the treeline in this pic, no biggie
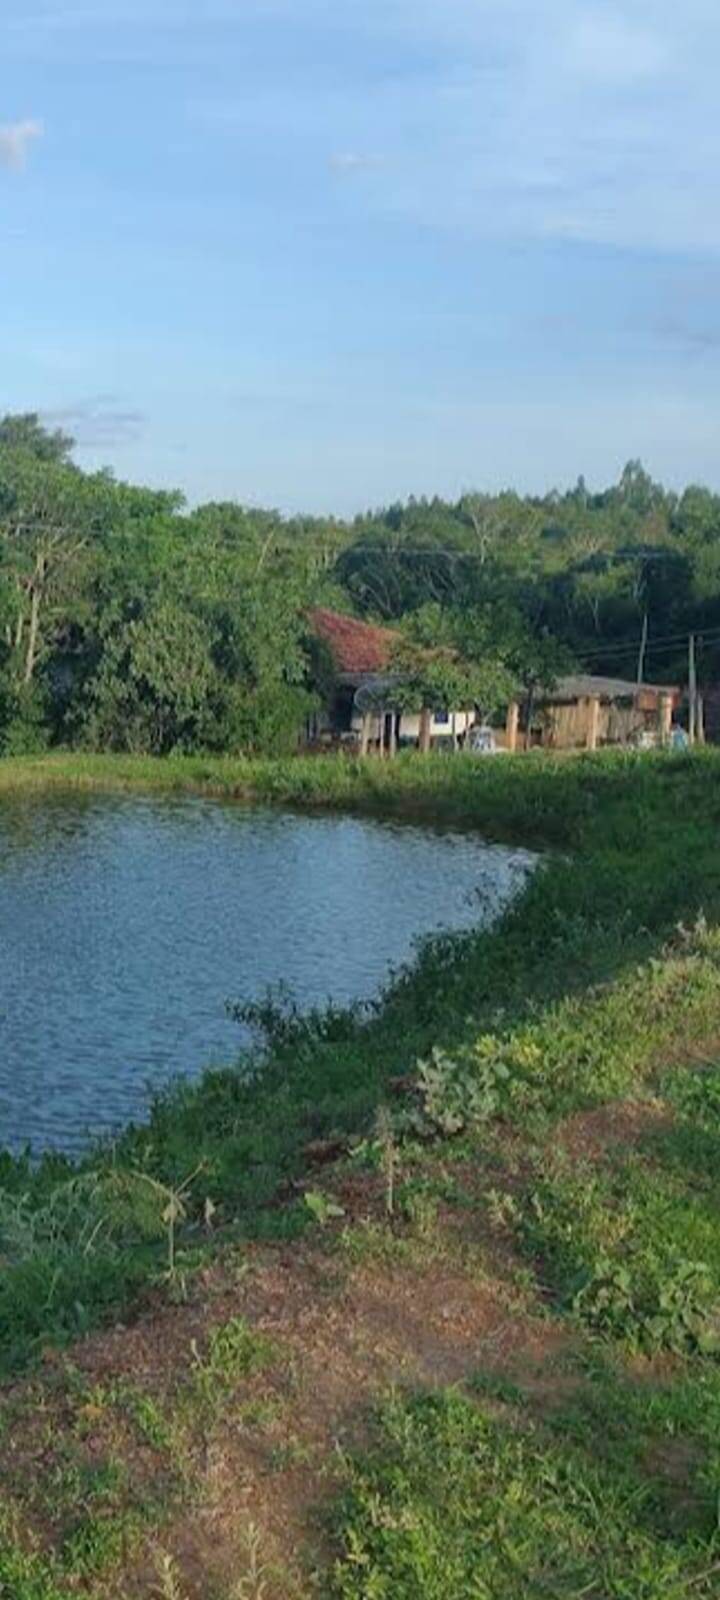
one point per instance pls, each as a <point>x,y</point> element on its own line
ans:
<point>129,622</point>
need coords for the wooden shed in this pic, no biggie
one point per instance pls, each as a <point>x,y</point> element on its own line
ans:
<point>583,711</point>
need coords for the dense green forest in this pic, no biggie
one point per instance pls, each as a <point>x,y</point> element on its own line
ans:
<point>131,622</point>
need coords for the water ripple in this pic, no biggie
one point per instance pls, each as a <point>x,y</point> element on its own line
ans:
<point>126,924</point>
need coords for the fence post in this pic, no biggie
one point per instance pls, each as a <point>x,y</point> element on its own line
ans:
<point>665,708</point>
<point>593,722</point>
<point>511,725</point>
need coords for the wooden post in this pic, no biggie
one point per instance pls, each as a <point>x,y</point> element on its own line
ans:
<point>593,722</point>
<point>453,729</point>
<point>529,713</point>
<point>665,710</point>
<point>692,690</point>
<point>365,733</point>
<point>511,725</point>
<point>392,741</point>
<point>700,719</point>
<point>643,648</point>
<point>425,727</point>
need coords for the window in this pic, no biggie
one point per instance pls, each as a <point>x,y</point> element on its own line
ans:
<point>441,716</point>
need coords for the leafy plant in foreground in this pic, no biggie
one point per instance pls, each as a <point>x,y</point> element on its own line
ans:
<point>457,1092</point>
<point>453,1504</point>
<point>625,1255</point>
<point>322,1208</point>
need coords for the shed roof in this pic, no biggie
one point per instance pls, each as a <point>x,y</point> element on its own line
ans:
<point>582,686</point>
<point>356,647</point>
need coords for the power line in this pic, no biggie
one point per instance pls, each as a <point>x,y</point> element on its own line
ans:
<point>660,650</point>
<point>607,557</point>
<point>704,635</point>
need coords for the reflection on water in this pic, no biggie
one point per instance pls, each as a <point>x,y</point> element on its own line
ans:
<point>127,923</point>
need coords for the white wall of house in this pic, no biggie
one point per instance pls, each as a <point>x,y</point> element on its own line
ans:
<point>440,727</point>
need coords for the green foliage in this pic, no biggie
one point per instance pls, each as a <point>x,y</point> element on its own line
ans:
<point>24,431</point>
<point>432,675</point>
<point>78,1250</point>
<point>453,1503</point>
<point>632,1256</point>
<point>234,1352</point>
<point>697,1096</point>
<point>322,1209</point>
<point>151,631</point>
<point>548,579</point>
<point>24,723</point>
<point>153,689</point>
<point>51,525</point>
<point>146,1414</point>
<point>100,1542</point>
<point>148,627</point>
<point>27,1578</point>
<point>458,1093</point>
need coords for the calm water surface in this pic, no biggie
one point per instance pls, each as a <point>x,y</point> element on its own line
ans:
<point>126,925</point>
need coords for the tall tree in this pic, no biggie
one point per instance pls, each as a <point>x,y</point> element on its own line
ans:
<point>24,431</point>
<point>49,516</point>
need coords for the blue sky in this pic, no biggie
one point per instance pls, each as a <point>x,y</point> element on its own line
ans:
<point>321,254</point>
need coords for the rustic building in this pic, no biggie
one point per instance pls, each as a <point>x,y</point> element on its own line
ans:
<point>360,707</point>
<point>583,711</point>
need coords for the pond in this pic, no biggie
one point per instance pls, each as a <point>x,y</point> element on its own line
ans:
<point>127,924</point>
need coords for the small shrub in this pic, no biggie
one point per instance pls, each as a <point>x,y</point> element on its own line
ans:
<point>619,1249</point>
<point>322,1208</point>
<point>697,1096</point>
<point>670,1310</point>
<point>418,1204</point>
<point>234,1351</point>
<point>458,1092</point>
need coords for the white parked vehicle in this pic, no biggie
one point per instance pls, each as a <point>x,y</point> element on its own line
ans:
<point>645,739</point>
<point>482,742</point>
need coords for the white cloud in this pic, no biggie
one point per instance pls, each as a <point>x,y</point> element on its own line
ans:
<point>607,46</point>
<point>349,161</point>
<point>582,120</point>
<point>15,141</point>
<point>100,421</point>
<point>573,120</point>
<point>565,120</point>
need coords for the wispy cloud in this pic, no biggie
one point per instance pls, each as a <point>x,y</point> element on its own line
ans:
<point>15,141</point>
<point>572,121</point>
<point>607,46</point>
<point>582,121</point>
<point>352,161</point>
<point>98,421</point>
<point>676,331</point>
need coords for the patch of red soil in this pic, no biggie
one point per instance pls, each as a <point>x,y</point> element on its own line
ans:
<point>342,1338</point>
<point>589,1135</point>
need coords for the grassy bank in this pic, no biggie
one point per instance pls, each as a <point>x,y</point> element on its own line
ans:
<point>553,1157</point>
<point>539,799</point>
<point>642,837</point>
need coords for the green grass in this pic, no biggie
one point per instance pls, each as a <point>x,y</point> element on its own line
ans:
<point>531,799</point>
<point>98,1506</point>
<point>27,1577</point>
<point>234,1352</point>
<point>634,1251</point>
<point>456,1503</point>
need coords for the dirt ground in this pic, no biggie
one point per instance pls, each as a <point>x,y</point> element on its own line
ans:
<point>242,1494</point>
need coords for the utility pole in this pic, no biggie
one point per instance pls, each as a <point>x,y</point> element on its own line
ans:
<point>692,690</point>
<point>643,648</point>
